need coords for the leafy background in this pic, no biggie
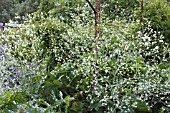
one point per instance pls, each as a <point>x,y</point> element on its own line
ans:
<point>47,64</point>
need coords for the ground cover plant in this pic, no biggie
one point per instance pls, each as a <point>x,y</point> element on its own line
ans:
<point>48,64</point>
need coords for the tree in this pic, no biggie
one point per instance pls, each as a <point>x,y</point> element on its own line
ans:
<point>10,9</point>
<point>25,7</point>
<point>96,37</point>
<point>6,10</point>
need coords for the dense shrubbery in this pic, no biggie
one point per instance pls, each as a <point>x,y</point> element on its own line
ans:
<point>17,9</point>
<point>55,67</point>
<point>157,11</point>
<point>122,9</point>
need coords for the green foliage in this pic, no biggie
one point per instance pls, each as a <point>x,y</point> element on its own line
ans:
<point>67,10</point>
<point>157,11</point>
<point>25,7</point>
<point>55,63</point>
<point>17,10</point>
<point>6,10</point>
<point>122,9</point>
<point>154,41</point>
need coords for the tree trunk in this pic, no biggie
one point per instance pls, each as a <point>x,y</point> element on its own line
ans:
<point>96,38</point>
<point>97,26</point>
<point>141,17</point>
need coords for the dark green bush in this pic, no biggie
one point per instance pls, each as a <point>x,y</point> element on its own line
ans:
<point>157,11</point>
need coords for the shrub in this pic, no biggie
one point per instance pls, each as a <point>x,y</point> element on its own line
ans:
<point>62,75</point>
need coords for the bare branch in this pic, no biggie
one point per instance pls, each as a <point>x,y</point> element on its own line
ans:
<point>91,6</point>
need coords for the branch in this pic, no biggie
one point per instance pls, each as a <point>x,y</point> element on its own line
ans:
<point>91,6</point>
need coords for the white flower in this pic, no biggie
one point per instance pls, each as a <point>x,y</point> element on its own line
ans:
<point>157,47</point>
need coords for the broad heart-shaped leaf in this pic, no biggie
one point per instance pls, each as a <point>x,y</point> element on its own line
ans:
<point>96,104</point>
<point>48,83</point>
<point>163,66</point>
<point>56,82</point>
<point>141,106</point>
<point>140,60</point>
